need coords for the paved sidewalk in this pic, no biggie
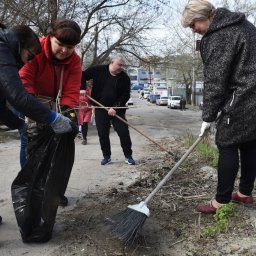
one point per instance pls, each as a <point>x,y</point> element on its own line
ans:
<point>87,176</point>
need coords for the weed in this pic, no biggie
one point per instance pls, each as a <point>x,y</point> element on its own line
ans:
<point>208,152</point>
<point>222,217</point>
<point>205,149</point>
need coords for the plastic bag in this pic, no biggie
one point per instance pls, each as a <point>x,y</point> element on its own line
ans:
<point>38,187</point>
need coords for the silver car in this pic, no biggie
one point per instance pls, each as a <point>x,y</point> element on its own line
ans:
<point>163,100</point>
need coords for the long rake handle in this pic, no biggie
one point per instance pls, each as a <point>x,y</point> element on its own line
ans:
<point>168,175</point>
<point>123,120</point>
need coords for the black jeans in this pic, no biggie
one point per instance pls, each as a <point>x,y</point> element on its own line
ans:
<point>228,167</point>
<point>103,122</point>
<point>84,130</point>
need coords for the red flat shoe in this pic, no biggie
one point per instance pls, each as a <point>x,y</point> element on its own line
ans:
<point>247,201</point>
<point>206,208</point>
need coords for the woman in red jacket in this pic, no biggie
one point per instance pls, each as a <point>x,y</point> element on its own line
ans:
<point>57,64</point>
<point>56,72</point>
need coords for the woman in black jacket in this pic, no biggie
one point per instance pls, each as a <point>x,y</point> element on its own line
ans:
<point>228,52</point>
<point>17,46</point>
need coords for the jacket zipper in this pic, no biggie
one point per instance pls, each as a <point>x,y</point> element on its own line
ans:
<point>233,97</point>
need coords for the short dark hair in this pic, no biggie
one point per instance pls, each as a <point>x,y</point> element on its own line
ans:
<point>2,25</point>
<point>27,38</point>
<point>66,31</point>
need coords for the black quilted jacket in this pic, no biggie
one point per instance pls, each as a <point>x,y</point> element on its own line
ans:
<point>121,89</point>
<point>228,50</point>
<point>11,88</point>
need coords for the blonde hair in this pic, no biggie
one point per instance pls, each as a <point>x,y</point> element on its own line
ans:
<point>196,9</point>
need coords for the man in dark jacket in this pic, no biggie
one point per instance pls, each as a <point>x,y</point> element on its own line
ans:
<point>18,46</point>
<point>111,88</point>
<point>228,52</point>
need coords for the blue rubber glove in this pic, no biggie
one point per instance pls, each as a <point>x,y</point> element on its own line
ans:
<point>61,124</point>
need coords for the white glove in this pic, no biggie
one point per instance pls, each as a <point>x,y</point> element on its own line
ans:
<point>205,126</point>
<point>61,124</point>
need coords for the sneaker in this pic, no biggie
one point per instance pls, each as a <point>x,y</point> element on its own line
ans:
<point>84,142</point>
<point>129,160</point>
<point>79,135</point>
<point>63,201</point>
<point>106,160</point>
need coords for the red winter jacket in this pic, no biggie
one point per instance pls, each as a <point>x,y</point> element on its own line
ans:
<point>38,75</point>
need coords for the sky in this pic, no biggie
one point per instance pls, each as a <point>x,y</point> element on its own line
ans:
<point>171,18</point>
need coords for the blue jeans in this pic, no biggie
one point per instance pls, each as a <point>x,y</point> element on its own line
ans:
<point>23,140</point>
<point>23,146</point>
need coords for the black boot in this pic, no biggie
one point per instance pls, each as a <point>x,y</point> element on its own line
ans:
<point>0,220</point>
<point>63,201</point>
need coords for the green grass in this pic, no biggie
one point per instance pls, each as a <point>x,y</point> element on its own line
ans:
<point>222,217</point>
<point>205,149</point>
<point>209,153</point>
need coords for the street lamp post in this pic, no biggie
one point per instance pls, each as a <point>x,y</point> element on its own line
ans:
<point>149,72</point>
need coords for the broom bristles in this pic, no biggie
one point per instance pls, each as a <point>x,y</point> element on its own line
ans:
<point>127,225</point>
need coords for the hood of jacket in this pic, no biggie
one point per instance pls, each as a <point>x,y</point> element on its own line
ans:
<point>9,40</point>
<point>224,18</point>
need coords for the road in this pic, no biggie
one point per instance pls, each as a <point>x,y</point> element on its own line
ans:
<point>156,122</point>
<point>159,121</point>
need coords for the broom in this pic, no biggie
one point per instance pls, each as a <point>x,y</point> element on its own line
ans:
<point>127,224</point>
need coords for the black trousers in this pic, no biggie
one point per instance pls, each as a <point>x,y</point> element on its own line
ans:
<point>228,166</point>
<point>103,123</point>
<point>84,130</point>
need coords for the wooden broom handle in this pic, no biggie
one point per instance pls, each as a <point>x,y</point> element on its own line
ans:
<point>168,175</point>
<point>123,120</point>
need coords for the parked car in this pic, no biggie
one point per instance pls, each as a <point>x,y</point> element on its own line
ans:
<point>137,87</point>
<point>153,98</point>
<point>146,93</point>
<point>129,102</point>
<point>162,100</point>
<point>174,102</point>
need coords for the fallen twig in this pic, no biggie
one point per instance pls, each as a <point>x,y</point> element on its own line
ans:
<point>180,241</point>
<point>191,197</point>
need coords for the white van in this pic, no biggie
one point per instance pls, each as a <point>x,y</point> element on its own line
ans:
<point>174,102</point>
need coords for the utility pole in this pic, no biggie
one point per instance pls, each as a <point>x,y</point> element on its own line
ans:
<point>193,85</point>
<point>149,72</point>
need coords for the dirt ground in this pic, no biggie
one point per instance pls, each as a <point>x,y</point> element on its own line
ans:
<point>173,228</point>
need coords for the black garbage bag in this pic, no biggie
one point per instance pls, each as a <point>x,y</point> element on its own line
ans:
<point>37,189</point>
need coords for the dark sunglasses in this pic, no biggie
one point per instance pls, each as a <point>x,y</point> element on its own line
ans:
<point>31,55</point>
